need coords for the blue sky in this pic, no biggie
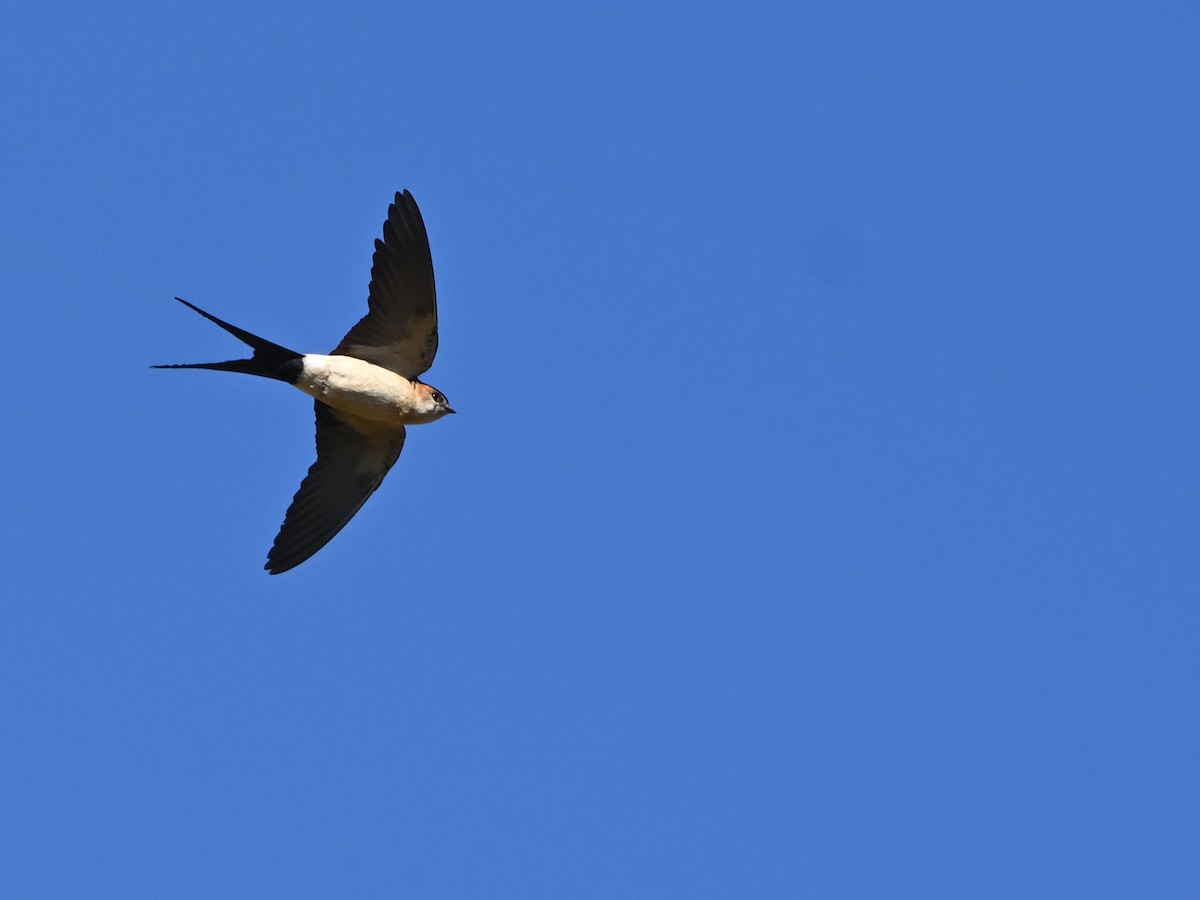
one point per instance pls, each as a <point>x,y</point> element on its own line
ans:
<point>820,518</point>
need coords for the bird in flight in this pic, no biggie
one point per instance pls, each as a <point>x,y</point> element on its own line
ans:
<point>366,390</point>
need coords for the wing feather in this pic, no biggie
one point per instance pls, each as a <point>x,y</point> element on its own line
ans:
<point>350,465</point>
<point>400,330</point>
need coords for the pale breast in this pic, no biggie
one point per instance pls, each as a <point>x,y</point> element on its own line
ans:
<point>359,388</point>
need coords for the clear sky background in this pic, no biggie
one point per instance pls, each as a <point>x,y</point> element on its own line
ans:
<point>820,518</point>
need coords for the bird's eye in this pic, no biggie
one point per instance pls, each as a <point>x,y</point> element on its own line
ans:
<point>439,397</point>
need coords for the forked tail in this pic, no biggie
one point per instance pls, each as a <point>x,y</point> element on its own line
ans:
<point>269,360</point>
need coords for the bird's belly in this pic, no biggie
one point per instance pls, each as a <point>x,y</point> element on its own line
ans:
<point>358,387</point>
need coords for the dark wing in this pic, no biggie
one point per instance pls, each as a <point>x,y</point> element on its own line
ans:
<point>349,466</point>
<point>400,331</point>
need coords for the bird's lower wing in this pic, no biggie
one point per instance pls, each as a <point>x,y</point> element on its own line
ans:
<point>350,466</point>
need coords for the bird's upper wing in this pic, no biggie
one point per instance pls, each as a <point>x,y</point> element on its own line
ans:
<point>400,331</point>
<point>349,466</point>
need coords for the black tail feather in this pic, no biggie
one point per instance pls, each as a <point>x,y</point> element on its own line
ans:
<point>269,360</point>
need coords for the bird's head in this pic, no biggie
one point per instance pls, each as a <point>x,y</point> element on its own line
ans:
<point>433,403</point>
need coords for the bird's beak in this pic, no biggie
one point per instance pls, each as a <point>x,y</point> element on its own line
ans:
<point>449,410</point>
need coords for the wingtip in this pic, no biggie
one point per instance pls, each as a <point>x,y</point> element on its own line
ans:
<point>405,199</point>
<point>277,566</point>
<point>272,569</point>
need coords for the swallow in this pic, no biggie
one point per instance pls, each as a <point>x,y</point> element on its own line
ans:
<point>365,391</point>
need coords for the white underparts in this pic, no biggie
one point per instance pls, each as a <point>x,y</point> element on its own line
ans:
<point>364,389</point>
